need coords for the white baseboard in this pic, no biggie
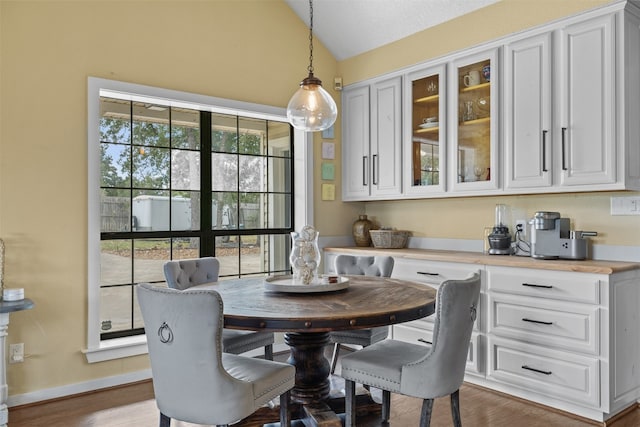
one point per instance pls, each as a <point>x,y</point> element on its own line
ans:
<point>77,388</point>
<point>100,383</point>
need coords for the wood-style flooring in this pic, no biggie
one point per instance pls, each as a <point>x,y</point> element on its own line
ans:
<point>134,405</point>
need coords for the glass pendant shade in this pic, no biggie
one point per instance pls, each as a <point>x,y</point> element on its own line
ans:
<point>311,108</point>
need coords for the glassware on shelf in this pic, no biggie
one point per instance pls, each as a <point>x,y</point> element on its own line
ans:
<point>468,113</point>
<point>478,172</point>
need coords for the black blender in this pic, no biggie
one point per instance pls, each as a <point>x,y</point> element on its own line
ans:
<point>500,239</point>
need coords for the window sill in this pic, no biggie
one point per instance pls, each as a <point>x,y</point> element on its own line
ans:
<point>117,349</point>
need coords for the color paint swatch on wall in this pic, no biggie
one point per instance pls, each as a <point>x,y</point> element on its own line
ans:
<point>328,150</point>
<point>328,171</point>
<point>328,192</point>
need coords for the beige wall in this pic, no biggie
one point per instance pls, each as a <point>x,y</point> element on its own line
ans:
<point>465,218</point>
<point>249,50</point>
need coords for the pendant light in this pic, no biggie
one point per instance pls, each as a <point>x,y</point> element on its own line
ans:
<point>311,108</point>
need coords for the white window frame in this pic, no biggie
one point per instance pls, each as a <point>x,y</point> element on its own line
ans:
<point>100,350</point>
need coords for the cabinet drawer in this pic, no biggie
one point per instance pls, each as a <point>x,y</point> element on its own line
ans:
<point>551,323</point>
<point>565,376</point>
<point>424,323</point>
<point>433,274</point>
<point>429,272</point>
<point>579,287</point>
<point>407,333</point>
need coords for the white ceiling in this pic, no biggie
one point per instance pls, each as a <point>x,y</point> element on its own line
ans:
<point>350,27</point>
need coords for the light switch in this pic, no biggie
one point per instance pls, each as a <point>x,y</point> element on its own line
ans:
<point>625,205</point>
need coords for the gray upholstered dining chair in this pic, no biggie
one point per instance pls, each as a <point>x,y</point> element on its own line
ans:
<point>185,273</point>
<point>422,371</point>
<point>193,380</point>
<point>364,266</point>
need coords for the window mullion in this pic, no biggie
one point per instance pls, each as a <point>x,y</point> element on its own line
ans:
<point>206,241</point>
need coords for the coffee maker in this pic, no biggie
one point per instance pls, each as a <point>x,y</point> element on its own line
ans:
<point>500,238</point>
<point>551,238</point>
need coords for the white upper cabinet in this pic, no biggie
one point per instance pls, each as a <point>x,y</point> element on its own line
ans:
<point>571,107</point>
<point>587,113</point>
<point>425,132</point>
<point>552,109</point>
<point>527,111</point>
<point>355,143</point>
<point>473,119</point>
<point>386,138</point>
<point>371,142</point>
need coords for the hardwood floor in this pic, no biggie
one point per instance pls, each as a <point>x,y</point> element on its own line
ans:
<point>134,405</point>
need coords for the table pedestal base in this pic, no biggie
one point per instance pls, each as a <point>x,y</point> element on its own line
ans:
<point>312,404</point>
<point>327,415</point>
<point>312,368</point>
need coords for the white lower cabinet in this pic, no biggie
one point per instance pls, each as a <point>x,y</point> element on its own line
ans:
<point>552,338</point>
<point>433,274</point>
<point>563,338</point>
<point>423,334</point>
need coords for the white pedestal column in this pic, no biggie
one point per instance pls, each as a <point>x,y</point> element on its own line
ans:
<point>7,307</point>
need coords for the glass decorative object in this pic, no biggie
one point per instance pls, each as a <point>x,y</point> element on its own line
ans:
<point>305,255</point>
<point>311,108</point>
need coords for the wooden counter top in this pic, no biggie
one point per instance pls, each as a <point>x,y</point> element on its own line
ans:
<point>585,266</point>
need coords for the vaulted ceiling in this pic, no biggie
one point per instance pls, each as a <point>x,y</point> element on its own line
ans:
<point>351,27</point>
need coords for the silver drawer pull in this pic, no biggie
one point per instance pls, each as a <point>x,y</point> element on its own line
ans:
<point>426,273</point>
<point>422,340</point>
<point>536,370</point>
<point>531,285</point>
<point>541,322</point>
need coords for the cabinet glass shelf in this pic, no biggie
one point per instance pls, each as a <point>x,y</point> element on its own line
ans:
<point>434,130</point>
<point>432,98</point>
<point>475,87</point>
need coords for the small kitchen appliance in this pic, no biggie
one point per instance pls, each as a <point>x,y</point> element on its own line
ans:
<point>551,238</point>
<point>500,238</point>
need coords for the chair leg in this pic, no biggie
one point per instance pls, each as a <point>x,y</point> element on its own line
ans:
<point>386,405</point>
<point>164,420</point>
<point>285,410</point>
<point>268,352</point>
<point>334,358</point>
<point>455,408</point>
<point>349,403</point>
<point>425,414</point>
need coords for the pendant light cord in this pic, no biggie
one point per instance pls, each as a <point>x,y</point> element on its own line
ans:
<point>310,68</point>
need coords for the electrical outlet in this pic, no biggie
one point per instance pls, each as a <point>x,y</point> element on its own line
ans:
<point>16,353</point>
<point>521,226</point>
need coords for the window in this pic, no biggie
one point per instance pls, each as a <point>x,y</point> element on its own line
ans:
<point>178,179</point>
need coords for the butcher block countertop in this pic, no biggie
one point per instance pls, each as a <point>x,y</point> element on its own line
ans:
<point>584,266</point>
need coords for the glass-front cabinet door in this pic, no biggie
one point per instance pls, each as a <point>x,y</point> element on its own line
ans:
<point>473,120</point>
<point>425,131</point>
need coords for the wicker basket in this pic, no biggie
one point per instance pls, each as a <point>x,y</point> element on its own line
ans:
<point>389,239</point>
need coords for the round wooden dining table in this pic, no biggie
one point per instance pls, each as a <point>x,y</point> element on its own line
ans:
<point>306,318</point>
